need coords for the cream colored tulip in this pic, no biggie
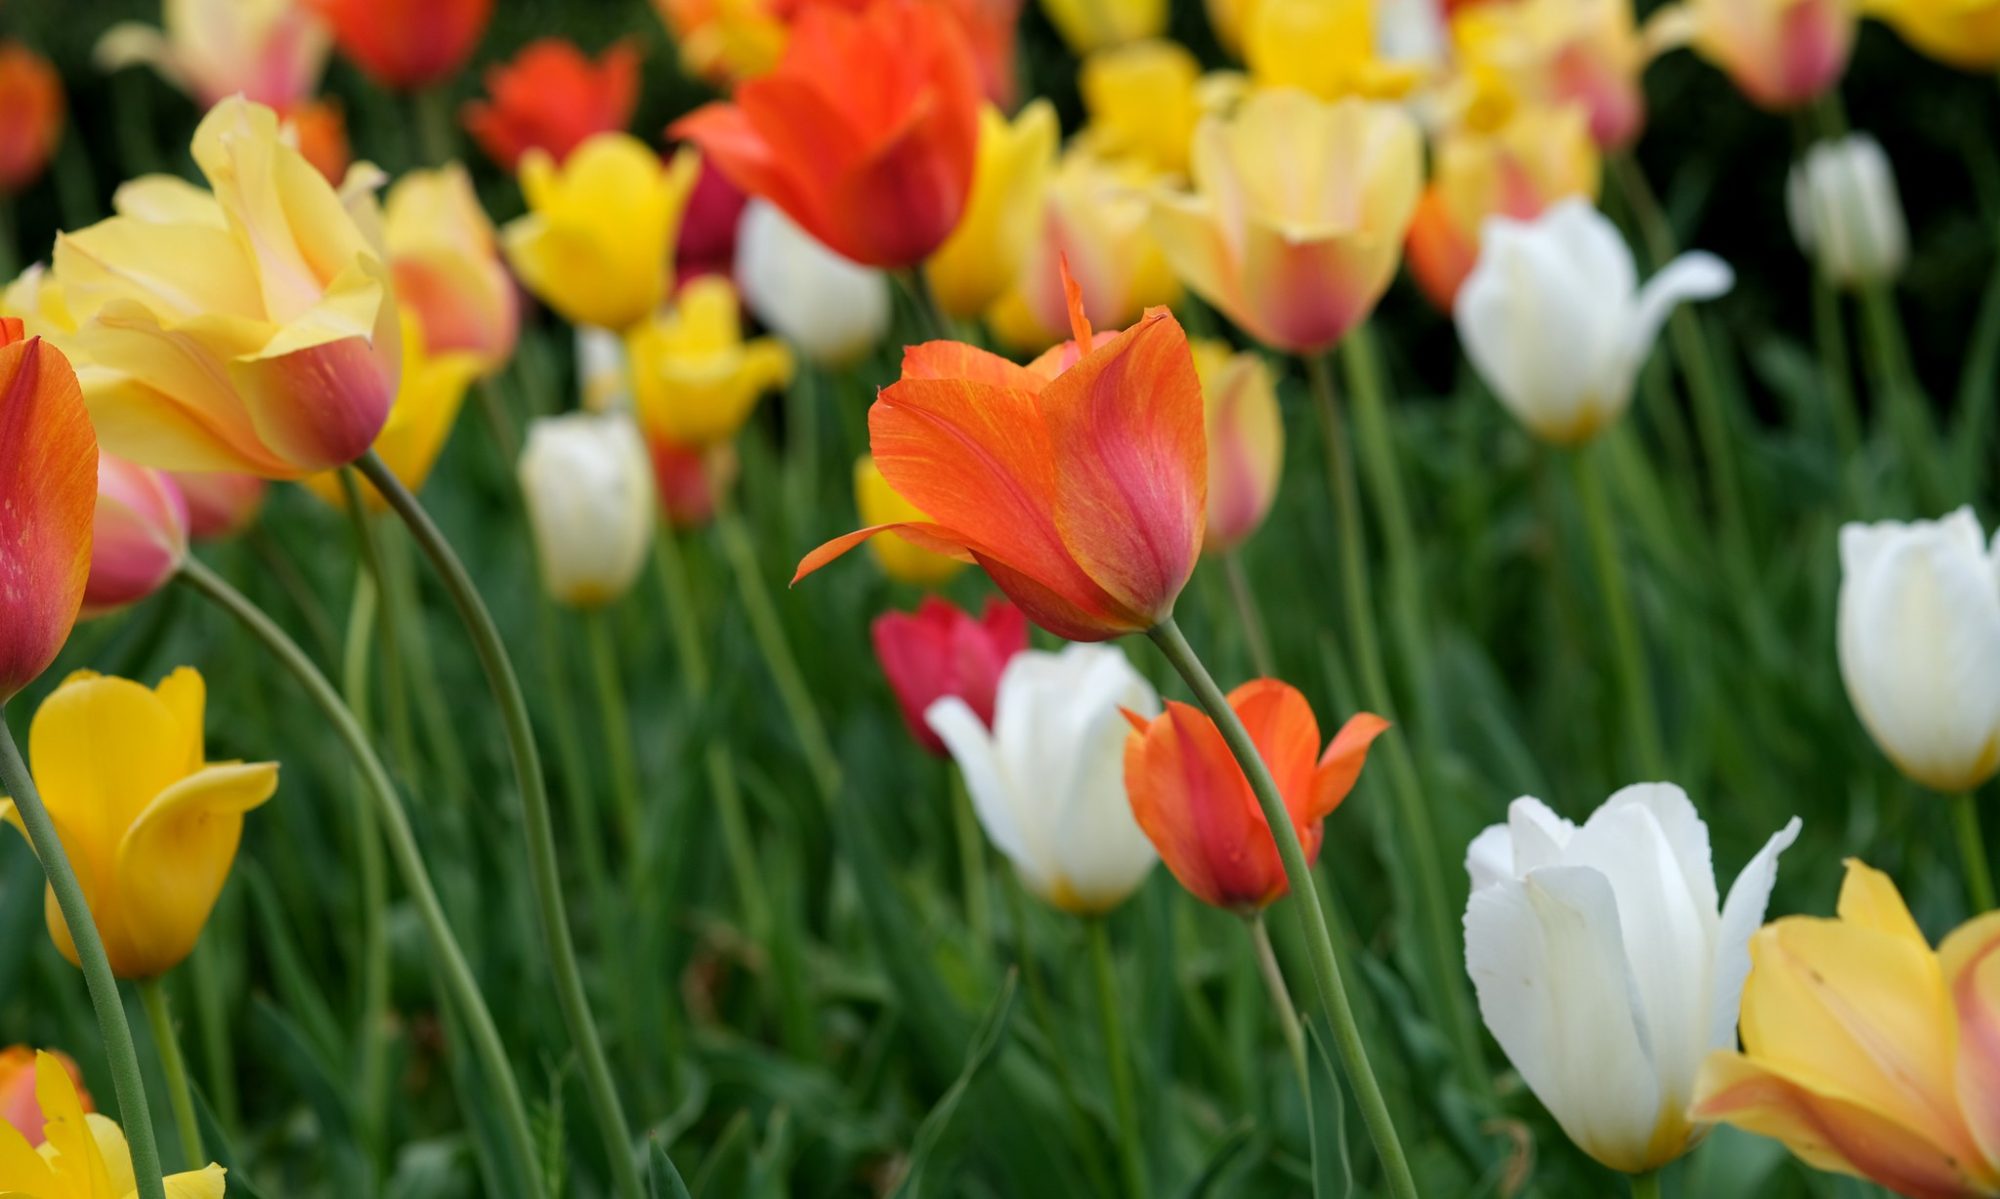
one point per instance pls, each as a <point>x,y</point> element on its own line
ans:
<point>589,491</point>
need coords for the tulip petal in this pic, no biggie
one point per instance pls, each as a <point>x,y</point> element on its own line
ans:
<point>1191,799</point>
<point>1742,915</point>
<point>1102,851</point>
<point>69,1134</point>
<point>20,1165</point>
<point>1971,961</point>
<point>1340,767</point>
<point>972,746</point>
<point>206,1183</point>
<point>1696,275</point>
<point>116,1154</point>
<point>48,501</point>
<point>1282,726</point>
<point>957,360</point>
<point>176,856</point>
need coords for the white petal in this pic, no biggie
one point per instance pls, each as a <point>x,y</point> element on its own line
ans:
<point>1490,857</point>
<point>1539,834</point>
<point>832,309</point>
<point>1742,915</point>
<point>1104,853</point>
<point>1685,833</point>
<point>1696,275</point>
<point>986,781</point>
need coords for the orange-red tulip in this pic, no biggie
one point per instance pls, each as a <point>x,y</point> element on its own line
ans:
<point>691,481</point>
<point>48,499</point>
<point>407,44</point>
<point>1080,486</point>
<point>1196,806</point>
<point>140,535</point>
<point>865,135</point>
<point>31,115</point>
<point>552,97</point>
<point>321,129</point>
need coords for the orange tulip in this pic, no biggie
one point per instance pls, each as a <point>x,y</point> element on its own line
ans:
<point>552,96</point>
<point>1081,487</point>
<point>48,502</point>
<point>1196,806</point>
<point>865,135</point>
<point>31,115</point>
<point>406,44</point>
<point>321,129</point>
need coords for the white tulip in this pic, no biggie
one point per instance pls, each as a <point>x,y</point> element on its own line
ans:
<point>1919,643</point>
<point>1604,967</point>
<point>589,489</point>
<point>1845,212</point>
<point>1048,780</point>
<point>1553,319</point>
<point>832,309</point>
<point>603,372</point>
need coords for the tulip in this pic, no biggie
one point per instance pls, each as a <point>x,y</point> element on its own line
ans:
<point>1143,102</point>
<point>1553,322</point>
<point>319,130</point>
<point>1246,442</point>
<point>1959,33</point>
<point>1845,212</point>
<point>1044,779</point>
<point>939,650</point>
<point>272,52</point>
<point>35,299</point>
<point>595,243</point>
<point>695,378</point>
<point>722,41</point>
<point>253,329</point>
<point>82,1155</point>
<point>1919,645</point>
<point>407,44</point>
<point>31,115</point>
<point>692,481</point>
<point>1551,53</point>
<point>426,410</point>
<point>139,538</point>
<point>152,829</point>
<point>1195,804</point>
<point>832,309</point>
<point>589,491</point>
<point>220,504</point>
<point>1082,493</point>
<point>19,1109</point>
<point>1781,54</point>
<point>48,504</point>
<point>1327,48</point>
<point>1604,966</point>
<point>985,254</point>
<point>901,559</point>
<point>1091,25</point>
<point>1295,251</point>
<point>1866,1053</point>
<point>706,244</point>
<point>447,267</point>
<point>552,98</point>
<point>892,186</point>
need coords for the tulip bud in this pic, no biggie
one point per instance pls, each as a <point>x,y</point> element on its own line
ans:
<point>31,115</point>
<point>694,376</point>
<point>426,410</point>
<point>589,491</point>
<point>901,559</point>
<point>692,481</point>
<point>1143,103</point>
<point>220,504</point>
<point>706,244</point>
<point>939,650</point>
<point>832,309</point>
<point>273,53</point>
<point>140,535</point>
<point>1044,778</point>
<point>1781,54</point>
<point>407,44</point>
<point>551,97</point>
<point>1246,442</point>
<point>447,266</point>
<point>1551,320</point>
<point>19,1107</point>
<point>1845,212</point>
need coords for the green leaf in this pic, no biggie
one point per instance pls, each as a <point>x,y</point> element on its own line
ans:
<point>986,1041</point>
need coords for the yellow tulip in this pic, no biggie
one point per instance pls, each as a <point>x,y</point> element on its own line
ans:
<point>1089,25</point>
<point>1143,101</point>
<point>427,405</point>
<point>1227,18</point>
<point>447,267</point>
<point>149,823</point>
<point>1297,221</point>
<point>36,298</point>
<point>694,377</point>
<point>982,257</point>
<point>82,1154</point>
<point>597,242</point>
<point>1960,33</point>
<point>1325,47</point>
<point>722,41</point>
<point>879,504</point>
<point>1553,52</point>
<point>1246,442</point>
<point>252,329</point>
<point>1865,1052</point>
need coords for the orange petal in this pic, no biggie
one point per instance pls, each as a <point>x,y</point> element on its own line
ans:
<point>1079,320</point>
<point>1194,804</point>
<point>956,360</point>
<point>1340,766</point>
<point>48,500</point>
<point>1282,726</point>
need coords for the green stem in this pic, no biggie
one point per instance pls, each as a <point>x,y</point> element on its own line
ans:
<point>120,1054</point>
<point>918,284</point>
<point>1305,896</point>
<point>1248,614</point>
<point>1089,1149</point>
<point>499,422</point>
<point>1972,849</point>
<point>461,987</point>
<point>1645,1186</point>
<point>372,1073</point>
<point>971,866</point>
<point>1831,335</point>
<point>1895,383</point>
<point>435,135</point>
<point>1281,1000</point>
<point>617,729</point>
<point>543,872</point>
<point>1643,722</point>
<point>681,616</point>
<point>153,994</point>
<point>1131,1157</point>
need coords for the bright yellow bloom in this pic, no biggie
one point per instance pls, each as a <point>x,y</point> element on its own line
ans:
<point>1090,25</point>
<point>879,504</point>
<point>1325,47</point>
<point>1865,1052</point>
<point>1961,33</point>
<point>1143,101</point>
<point>1554,52</point>
<point>597,242</point>
<point>83,1155</point>
<point>694,377</point>
<point>149,823</point>
<point>427,405</point>
<point>447,267</point>
<point>981,258</point>
<point>1246,442</point>
<point>725,40</point>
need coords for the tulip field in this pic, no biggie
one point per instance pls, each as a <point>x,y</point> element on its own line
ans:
<point>1074,599</point>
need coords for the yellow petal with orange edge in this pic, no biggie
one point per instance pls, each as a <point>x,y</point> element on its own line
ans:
<point>879,504</point>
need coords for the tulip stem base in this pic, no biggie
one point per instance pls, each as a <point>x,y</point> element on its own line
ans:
<point>1645,1186</point>
<point>120,1052</point>
<point>153,994</point>
<point>1972,849</point>
<point>1642,720</point>
<point>1131,1158</point>
<point>1346,1032</point>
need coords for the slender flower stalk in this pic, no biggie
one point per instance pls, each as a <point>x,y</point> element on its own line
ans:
<point>935,323</point>
<point>1281,1000</point>
<point>1642,720</point>
<point>1972,851</point>
<point>1131,1155</point>
<point>971,865</point>
<point>1645,1186</point>
<point>153,995</point>
<point>617,729</point>
<point>1249,614</point>
<point>372,1073</point>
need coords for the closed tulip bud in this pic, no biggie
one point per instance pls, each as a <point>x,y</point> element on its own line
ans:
<point>139,538</point>
<point>695,377</point>
<point>939,650</point>
<point>427,405</point>
<point>272,52</point>
<point>220,504</point>
<point>1781,54</point>
<point>1091,25</point>
<point>901,559</point>
<point>1195,804</point>
<point>831,309</point>
<point>447,268</point>
<point>1919,644</point>
<point>48,503</point>
<point>552,97</point>
<point>692,480</point>
<point>31,115</point>
<point>1845,212</point>
<point>589,490</point>
<point>595,243</point>
<point>982,258</point>
<point>1246,442</point>
<point>1961,33</point>
<point>1866,1053</point>
<point>1295,252</point>
<point>1045,778</point>
<point>155,825</point>
<point>407,44</point>
<point>82,1155</point>
<point>1553,319</point>
<point>1606,966</point>
<point>19,1109</point>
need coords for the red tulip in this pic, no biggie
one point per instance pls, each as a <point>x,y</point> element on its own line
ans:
<point>552,97</point>
<point>407,44</point>
<point>707,244</point>
<point>31,115</point>
<point>865,135</point>
<point>140,535</point>
<point>48,498</point>
<point>691,480</point>
<point>939,650</point>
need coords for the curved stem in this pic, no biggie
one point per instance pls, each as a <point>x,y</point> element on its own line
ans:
<point>1643,722</point>
<point>1281,1000</point>
<point>1305,899</point>
<point>120,1053</point>
<point>372,1073</point>
<point>1972,851</point>
<point>1131,1159</point>
<point>543,872</point>
<point>617,730</point>
<point>461,987</point>
<point>153,994</point>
